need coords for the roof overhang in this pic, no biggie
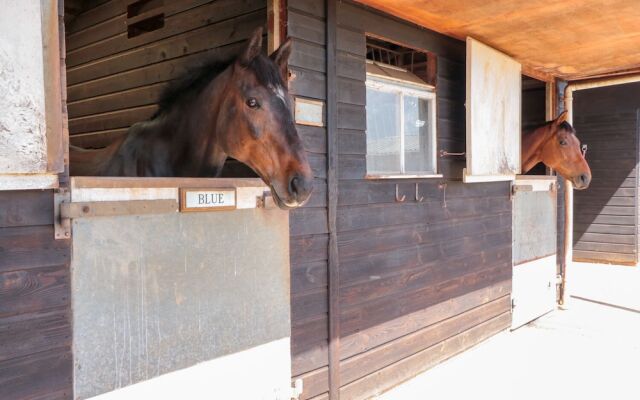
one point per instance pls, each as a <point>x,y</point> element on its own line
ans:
<point>569,39</point>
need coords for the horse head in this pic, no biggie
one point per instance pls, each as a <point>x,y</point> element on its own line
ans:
<point>558,148</point>
<point>257,109</point>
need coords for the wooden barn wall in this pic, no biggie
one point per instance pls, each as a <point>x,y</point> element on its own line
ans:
<point>114,80</point>
<point>35,314</point>
<point>419,282</point>
<point>606,214</point>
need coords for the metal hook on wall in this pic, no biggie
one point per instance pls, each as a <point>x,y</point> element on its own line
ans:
<point>398,198</point>
<point>419,198</point>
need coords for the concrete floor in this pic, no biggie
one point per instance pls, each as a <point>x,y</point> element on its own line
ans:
<point>591,350</point>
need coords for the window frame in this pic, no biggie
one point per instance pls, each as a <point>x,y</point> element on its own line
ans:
<point>420,91</point>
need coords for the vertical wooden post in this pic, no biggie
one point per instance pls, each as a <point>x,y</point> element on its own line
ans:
<point>332,203</point>
<point>273,25</point>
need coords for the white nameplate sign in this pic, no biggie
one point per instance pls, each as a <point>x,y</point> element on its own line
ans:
<point>207,199</point>
<point>309,112</point>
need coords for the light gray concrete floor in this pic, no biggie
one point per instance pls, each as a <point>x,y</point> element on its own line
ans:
<point>591,350</point>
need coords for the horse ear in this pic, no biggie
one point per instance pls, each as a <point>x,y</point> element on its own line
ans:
<point>281,57</point>
<point>561,118</point>
<point>253,49</point>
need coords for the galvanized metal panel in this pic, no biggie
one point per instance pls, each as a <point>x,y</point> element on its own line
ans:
<point>534,248</point>
<point>156,293</point>
<point>534,225</point>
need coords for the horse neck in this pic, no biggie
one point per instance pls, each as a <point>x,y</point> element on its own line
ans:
<point>532,145</point>
<point>196,146</point>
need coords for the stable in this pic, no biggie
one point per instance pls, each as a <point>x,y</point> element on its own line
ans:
<point>420,240</point>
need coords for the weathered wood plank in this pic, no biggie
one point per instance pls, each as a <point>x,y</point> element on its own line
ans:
<point>308,221</point>
<point>412,365</point>
<point>412,273</point>
<point>26,208</point>
<point>28,291</point>
<point>384,309</point>
<point>46,375</point>
<point>314,357</point>
<point>388,331</point>
<point>206,38</point>
<point>380,357</point>
<point>356,244</point>
<point>308,248</point>
<point>27,334</point>
<point>371,216</point>
<point>31,247</point>
<point>306,28</point>
<point>309,304</point>
<point>308,276</point>
<point>194,18</point>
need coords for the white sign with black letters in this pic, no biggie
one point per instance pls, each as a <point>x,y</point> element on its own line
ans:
<point>207,199</point>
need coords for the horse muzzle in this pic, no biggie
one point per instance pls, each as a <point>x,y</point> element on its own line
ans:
<point>581,181</point>
<point>295,194</point>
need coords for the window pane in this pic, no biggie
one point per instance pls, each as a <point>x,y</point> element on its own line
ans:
<point>383,132</point>
<point>418,146</point>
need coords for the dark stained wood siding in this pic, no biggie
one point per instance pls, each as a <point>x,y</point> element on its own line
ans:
<point>606,214</point>
<point>35,314</point>
<point>419,282</point>
<point>309,225</point>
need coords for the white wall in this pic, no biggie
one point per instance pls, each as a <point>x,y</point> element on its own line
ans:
<point>23,147</point>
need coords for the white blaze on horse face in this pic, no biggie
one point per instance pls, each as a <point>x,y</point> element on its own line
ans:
<point>279,92</point>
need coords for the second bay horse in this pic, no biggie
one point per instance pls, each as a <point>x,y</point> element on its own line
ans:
<point>556,145</point>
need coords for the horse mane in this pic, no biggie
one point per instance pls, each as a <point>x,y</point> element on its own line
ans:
<point>190,83</point>
<point>196,78</point>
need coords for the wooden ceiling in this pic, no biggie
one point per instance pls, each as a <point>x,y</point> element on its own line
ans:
<point>570,39</point>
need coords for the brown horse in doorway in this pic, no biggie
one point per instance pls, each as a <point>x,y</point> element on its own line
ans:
<point>556,145</point>
<point>238,108</point>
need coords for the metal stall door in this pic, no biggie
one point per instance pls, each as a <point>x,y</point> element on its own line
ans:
<point>534,248</point>
<point>173,304</point>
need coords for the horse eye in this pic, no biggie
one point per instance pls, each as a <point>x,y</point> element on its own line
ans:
<point>252,102</point>
<point>563,142</point>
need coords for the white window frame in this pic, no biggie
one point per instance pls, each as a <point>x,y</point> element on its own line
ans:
<point>425,92</point>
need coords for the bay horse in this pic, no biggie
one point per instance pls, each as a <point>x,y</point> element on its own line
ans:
<point>236,108</point>
<point>556,145</point>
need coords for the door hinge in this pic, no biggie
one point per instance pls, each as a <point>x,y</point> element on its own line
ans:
<point>61,225</point>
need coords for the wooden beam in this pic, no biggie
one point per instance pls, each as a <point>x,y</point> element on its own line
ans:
<point>536,74</point>
<point>332,202</point>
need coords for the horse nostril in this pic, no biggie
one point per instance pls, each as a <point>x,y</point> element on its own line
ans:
<point>294,185</point>
<point>299,187</point>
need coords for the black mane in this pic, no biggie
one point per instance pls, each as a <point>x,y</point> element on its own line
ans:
<point>195,79</point>
<point>190,83</point>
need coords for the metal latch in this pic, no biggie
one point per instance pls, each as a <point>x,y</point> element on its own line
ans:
<point>65,210</point>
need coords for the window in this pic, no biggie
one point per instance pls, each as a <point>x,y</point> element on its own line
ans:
<point>401,122</point>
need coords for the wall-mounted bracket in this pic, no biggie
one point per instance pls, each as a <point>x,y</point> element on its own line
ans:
<point>61,226</point>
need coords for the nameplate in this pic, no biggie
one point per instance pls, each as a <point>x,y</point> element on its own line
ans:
<point>207,199</point>
<point>309,112</point>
